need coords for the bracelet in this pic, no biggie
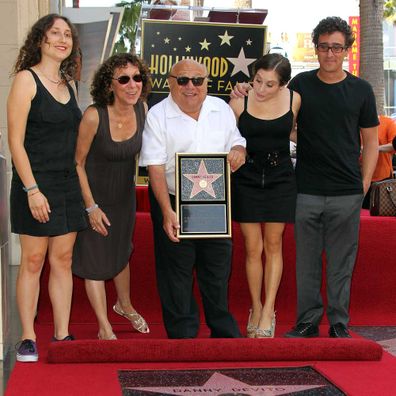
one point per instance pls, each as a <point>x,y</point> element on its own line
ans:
<point>92,208</point>
<point>27,189</point>
<point>36,192</point>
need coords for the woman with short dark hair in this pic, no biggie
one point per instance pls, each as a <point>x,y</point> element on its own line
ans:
<point>109,139</point>
<point>264,189</point>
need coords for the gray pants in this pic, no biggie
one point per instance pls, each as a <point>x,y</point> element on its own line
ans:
<point>327,224</point>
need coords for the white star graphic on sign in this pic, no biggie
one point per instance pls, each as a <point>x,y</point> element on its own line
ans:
<point>166,40</point>
<point>188,49</point>
<point>204,45</point>
<point>249,42</point>
<point>222,384</point>
<point>241,63</point>
<point>158,33</point>
<point>179,38</point>
<point>225,38</point>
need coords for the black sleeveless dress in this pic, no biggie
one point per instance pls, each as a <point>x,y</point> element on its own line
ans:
<point>50,143</point>
<point>110,167</point>
<point>264,189</point>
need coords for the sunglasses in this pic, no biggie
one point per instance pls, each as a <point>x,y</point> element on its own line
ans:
<point>125,79</point>
<point>196,81</point>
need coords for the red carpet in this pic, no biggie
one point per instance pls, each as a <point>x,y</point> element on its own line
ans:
<point>373,296</point>
<point>373,302</point>
<point>213,350</point>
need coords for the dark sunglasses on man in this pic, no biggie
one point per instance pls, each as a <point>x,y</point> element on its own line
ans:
<point>196,81</point>
<point>125,79</point>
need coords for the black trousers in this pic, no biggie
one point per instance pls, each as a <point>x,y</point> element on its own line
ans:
<point>175,265</point>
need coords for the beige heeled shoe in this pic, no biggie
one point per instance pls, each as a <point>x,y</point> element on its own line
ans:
<point>137,320</point>
<point>250,328</point>
<point>267,333</point>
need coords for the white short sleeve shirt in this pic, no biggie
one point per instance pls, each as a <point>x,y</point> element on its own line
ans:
<point>168,131</point>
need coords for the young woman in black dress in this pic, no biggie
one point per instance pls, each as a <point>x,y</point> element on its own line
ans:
<point>46,202</point>
<point>264,189</point>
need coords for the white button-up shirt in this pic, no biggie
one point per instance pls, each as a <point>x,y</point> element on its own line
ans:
<point>168,131</point>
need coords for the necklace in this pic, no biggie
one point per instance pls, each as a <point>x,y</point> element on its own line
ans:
<point>57,82</point>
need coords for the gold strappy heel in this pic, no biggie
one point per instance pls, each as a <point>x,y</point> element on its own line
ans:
<point>250,328</point>
<point>267,333</point>
<point>136,320</point>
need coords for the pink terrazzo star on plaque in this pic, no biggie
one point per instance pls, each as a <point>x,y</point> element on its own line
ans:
<point>202,180</point>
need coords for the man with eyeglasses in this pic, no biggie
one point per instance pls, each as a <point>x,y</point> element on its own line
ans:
<point>336,107</point>
<point>189,121</point>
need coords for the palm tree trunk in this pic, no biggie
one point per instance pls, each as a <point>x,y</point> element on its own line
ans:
<point>372,48</point>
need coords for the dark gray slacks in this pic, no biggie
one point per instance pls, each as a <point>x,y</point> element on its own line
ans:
<point>175,264</point>
<point>327,224</point>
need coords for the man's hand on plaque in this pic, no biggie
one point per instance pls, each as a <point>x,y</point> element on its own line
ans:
<point>171,226</point>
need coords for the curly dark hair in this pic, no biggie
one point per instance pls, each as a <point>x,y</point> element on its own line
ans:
<point>333,24</point>
<point>100,87</point>
<point>30,53</point>
<point>276,62</point>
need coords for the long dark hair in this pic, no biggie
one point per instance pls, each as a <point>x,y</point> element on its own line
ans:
<point>30,52</point>
<point>100,88</point>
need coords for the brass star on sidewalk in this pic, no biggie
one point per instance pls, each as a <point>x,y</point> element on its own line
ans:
<point>222,384</point>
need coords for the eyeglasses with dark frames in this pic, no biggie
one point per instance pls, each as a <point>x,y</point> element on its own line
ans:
<point>125,79</point>
<point>335,49</point>
<point>196,81</point>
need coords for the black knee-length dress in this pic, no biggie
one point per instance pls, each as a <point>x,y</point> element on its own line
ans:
<point>110,168</point>
<point>264,189</point>
<point>50,143</point>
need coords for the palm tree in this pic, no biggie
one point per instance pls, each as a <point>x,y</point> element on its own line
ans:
<point>129,25</point>
<point>372,48</point>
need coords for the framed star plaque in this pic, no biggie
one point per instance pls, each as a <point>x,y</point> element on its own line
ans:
<point>203,203</point>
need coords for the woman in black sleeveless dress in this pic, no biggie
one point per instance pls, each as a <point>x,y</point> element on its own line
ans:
<point>46,202</point>
<point>109,139</point>
<point>264,189</point>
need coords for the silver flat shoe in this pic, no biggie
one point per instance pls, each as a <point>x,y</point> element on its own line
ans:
<point>137,320</point>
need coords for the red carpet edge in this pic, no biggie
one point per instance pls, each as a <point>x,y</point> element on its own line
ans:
<point>214,350</point>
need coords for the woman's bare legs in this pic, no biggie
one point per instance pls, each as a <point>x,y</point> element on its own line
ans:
<point>123,306</point>
<point>33,251</point>
<point>273,233</point>
<point>60,286</point>
<point>96,293</point>
<point>253,237</point>
<point>122,284</point>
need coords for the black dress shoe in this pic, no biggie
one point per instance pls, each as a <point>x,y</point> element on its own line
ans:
<point>303,330</point>
<point>339,331</point>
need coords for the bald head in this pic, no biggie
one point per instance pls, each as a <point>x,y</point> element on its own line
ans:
<point>188,93</point>
<point>188,63</point>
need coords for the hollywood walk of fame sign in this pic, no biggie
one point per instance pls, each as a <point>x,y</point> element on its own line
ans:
<point>203,205</point>
<point>227,50</point>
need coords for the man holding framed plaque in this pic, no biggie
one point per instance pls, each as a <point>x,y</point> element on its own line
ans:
<point>189,121</point>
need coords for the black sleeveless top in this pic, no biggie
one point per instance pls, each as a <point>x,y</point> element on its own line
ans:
<point>264,189</point>
<point>50,143</point>
<point>51,131</point>
<point>265,136</point>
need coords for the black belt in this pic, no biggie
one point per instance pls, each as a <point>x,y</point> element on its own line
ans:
<point>269,159</point>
